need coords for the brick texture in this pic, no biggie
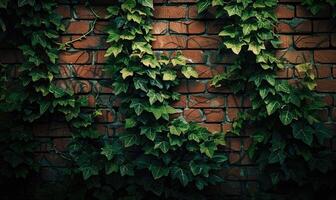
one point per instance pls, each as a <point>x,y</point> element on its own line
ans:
<point>177,26</point>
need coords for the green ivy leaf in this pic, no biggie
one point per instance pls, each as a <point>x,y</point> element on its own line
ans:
<point>202,5</point>
<point>158,171</point>
<point>128,5</point>
<point>115,50</point>
<point>286,116</point>
<point>188,72</point>
<point>129,139</point>
<point>130,123</point>
<point>272,106</point>
<point>111,167</point>
<point>181,175</point>
<point>126,169</point>
<point>147,3</point>
<point>126,73</point>
<point>304,133</point>
<point>163,145</point>
<point>169,76</point>
<point>150,132</point>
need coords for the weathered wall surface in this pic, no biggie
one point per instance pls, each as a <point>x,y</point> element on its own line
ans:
<point>177,26</point>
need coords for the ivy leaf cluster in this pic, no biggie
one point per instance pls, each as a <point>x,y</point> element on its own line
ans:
<point>155,148</point>
<point>30,93</point>
<point>288,137</point>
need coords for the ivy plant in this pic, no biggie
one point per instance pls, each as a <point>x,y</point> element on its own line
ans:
<point>157,155</point>
<point>288,137</point>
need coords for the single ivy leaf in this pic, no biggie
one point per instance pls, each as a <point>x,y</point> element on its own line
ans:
<point>234,46</point>
<point>272,106</point>
<point>147,3</point>
<point>128,5</point>
<point>304,133</point>
<point>89,171</point>
<point>111,167</point>
<point>202,5</point>
<point>195,168</point>
<point>169,76</point>
<point>126,73</point>
<point>229,31</point>
<point>277,156</point>
<point>130,123</point>
<point>115,50</point>
<point>126,169</point>
<point>137,106</point>
<point>188,72</point>
<point>286,116</point>
<point>163,145</point>
<point>44,105</point>
<point>129,139</point>
<point>150,132</point>
<point>158,171</point>
<point>181,175</point>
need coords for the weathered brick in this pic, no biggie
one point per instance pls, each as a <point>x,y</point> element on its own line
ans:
<point>238,102</point>
<point>78,57</point>
<point>325,85</point>
<point>214,128</point>
<point>232,114</point>
<point>305,26</point>
<point>107,116</point>
<point>170,12</point>
<point>187,27</point>
<point>311,41</point>
<point>194,56</point>
<point>293,56</point>
<point>285,11</point>
<point>324,25</point>
<point>203,42</point>
<point>193,115</point>
<point>169,42</point>
<point>64,11</point>
<point>333,40</point>
<point>83,12</point>
<point>90,42</point>
<point>214,115</point>
<point>206,101</point>
<point>325,56</point>
<point>182,103</point>
<point>78,27</point>
<point>287,41</point>
<point>159,28</point>
<point>191,86</point>
<point>301,11</point>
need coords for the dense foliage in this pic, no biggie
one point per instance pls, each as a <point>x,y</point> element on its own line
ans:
<point>29,92</point>
<point>288,137</point>
<point>157,154</point>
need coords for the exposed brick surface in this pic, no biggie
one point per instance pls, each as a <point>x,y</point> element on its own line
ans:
<point>178,26</point>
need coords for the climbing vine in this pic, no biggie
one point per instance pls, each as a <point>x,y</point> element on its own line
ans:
<point>157,154</point>
<point>30,92</point>
<point>288,137</point>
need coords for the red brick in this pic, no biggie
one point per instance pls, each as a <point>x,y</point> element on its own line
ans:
<point>101,89</point>
<point>311,41</point>
<point>169,42</point>
<point>193,115</point>
<point>194,56</point>
<point>182,103</point>
<point>303,27</point>
<point>78,57</point>
<point>100,57</point>
<point>287,41</point>
<point>322,71</point>
<point>81,71</point>
<point>100,27</point>
<point>206,101</point>
<point>78,27</point>
<point>214,115</point>
<point>191,86</point>
<point>333,40</point>
<point>325,56</point>
<point>325,85</point>
<point>107,116</point>
<point>295,57</point>
<point>159,28</point>
<point>333,114</point>
<point>234,157</point>
<point>232,113</point>
<point>205,71</point>
<point>90,42</point>
<point>235,144</point>
<point>324,25</point>
<point>227,127</point>
<point>182,1</point>
<point>83,12</point>
<point>222,89</point>
<point>285,11</point>
<point>285,73</point>
<point>170,12</point>
<point>334,71</point>
<point>64,11</point>
<point>328,100</point>
<point>214,128</point>
<point>203,42</point>
<point>301,11</point>
<point>187,27</point>
<point>234,101</point>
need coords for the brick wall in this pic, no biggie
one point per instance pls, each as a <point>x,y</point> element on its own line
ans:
<point>177,26</point>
